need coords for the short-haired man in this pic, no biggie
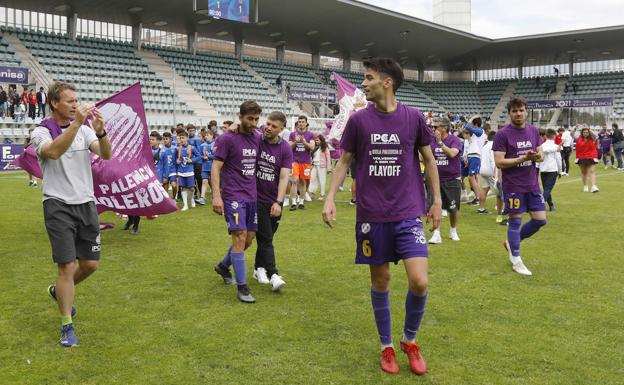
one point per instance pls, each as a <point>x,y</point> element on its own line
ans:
<point>302,143</point>
<point>273,169</point>
<point>446,149</point>
<point>41,101</point>
<point>63,143</point>
<point>386,139</point>
<point>234,193</point>
<point>567,140</point>
<point>517,147</point>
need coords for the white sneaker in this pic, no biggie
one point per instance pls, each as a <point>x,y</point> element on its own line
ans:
<point>261,276</point>
<point>277,282</point>
<point>606,167</point>
<point>341,189</point>
<point>453,235</point>
<point>185,208</point>
<point>321,198</point>
<point>193,203</point>
<point>307,197</point>
<point>436,238</point>
<point>518,267</point>
<point>286,202</point>
<point>464,197</point>
<point>444,213</point>
<point>585,188</point>
<point>594,189</point>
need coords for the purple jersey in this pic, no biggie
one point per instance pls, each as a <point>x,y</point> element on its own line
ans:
<point>387,166</point>
<point>605,139</point>
<point>515,142</point>
<point>271,159</point>
<point>238,153</point>
<point>448,168</point>
<point>300,153</point>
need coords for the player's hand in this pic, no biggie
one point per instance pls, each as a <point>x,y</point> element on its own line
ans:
<point>434,215</point>
<point>299,138</point>
<point>82,112</point>
<point>217,205</point>
<point>98,122</point>
<point>276,210</point>
<point>532,155</point>
<point>329,212</point>
<point>438,136</point>
<point>233,127</point>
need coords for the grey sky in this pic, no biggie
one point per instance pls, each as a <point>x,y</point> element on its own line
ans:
<point>497,19</point>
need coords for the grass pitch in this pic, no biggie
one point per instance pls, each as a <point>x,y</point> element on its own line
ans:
<point>156,313</point>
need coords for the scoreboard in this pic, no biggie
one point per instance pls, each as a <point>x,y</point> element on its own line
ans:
<point>236,10</point>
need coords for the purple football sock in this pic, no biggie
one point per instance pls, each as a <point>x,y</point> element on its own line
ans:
<point>227,260</point>
<point>381,309</point>
<point>414,311</point>
<point>513,235</point>
<point>238,261</point>
<point>531,227</point>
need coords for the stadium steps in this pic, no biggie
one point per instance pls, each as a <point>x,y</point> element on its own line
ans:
<point>499,110</point>
<point>264,82</point>
<point>561,82</point>
<point>201,108</point>
<point>41,77</point>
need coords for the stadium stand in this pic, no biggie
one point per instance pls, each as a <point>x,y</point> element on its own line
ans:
<point>7,53</point>
<point>215,77</point>
<point>600,84</point>
<point>297,76</point>
<point>490,93</point>
<point>453,96</point>
<point>99,68</point>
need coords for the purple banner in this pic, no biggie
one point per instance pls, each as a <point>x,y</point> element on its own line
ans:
<point>127,183</point>
<point>9,153</point>
<point>17,75</point>
<point>312,96</point>
<point>570,103</point>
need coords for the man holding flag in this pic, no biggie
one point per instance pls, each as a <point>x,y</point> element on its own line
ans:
<point>62,144</point>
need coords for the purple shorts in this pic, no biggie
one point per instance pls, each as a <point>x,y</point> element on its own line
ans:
<point>518,203</point>
<point>186,181</point>
<point>240,215</point>
<point>380,243</point>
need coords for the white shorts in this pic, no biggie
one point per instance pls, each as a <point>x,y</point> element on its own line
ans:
<point>488,182</point>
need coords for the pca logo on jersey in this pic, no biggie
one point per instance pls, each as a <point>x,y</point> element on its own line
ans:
<point>385,139</point>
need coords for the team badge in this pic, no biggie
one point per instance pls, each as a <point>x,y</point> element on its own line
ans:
<point>234,205</point>
<point>419,235</point>
<point>366,227</point>
<point>453,205</point>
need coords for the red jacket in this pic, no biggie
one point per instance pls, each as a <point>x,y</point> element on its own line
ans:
<point>32,99</point>
<point>586,149</point>
<point>558,139</point>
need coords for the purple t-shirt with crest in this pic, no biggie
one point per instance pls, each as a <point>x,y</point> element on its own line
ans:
<point>448,168</point>
<point>238,153</point>
<point>387,164</point>
<point>515,142</point>
<point>272,158</point>
<point>300,153</point>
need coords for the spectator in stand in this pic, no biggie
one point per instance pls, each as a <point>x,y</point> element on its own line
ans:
<point>4,105</point>
<point>550,167</point>
<point>618,145</point>
<point>587,157</point>
<point>41,102</point>
<point>321,165</point>
<point>32,104</point>
<point>278,84</point>
<point>556,71</point>
<point>13,100</point>
<point>566,149</point>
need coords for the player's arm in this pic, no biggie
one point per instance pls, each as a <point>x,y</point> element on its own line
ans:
<point>340,172</point>
<point>57,147</point>
<point>502,163</point>
<point>538,156</point>
<point>284,177</point>
<point>431,170</point>
<point>310,145</point>
<point>215,180</point>
<point>477,131</point>
<point>449,151</point>
<point>102,146</point>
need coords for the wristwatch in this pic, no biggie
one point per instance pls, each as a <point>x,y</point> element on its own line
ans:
<point>101,136</point>
<point>279,202</point>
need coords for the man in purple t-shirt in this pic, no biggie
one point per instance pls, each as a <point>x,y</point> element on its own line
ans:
<point>385,139</point>
<point>517,147</point>
<point>234,193</point>
<point>274,163</point>
<point>302,142</point>
<point>446,149</point>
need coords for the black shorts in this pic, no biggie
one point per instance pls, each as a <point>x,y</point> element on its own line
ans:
<point>451,194</point>
<point>74,230</point>
<point>352,169</point>
<point>586,161</point>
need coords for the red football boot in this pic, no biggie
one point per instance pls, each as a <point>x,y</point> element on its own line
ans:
<point>388,361</point>
<point>416,361</point>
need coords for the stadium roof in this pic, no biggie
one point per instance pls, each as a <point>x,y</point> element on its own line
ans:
<point>349,28</point>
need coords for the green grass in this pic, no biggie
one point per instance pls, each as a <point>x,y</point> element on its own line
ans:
<point>156,313</point>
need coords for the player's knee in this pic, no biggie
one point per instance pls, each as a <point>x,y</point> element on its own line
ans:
<point>67,269</point>
<point>380,282</point>
<point>418,285</point>
<point>540,222</point>
<point>89,266</point>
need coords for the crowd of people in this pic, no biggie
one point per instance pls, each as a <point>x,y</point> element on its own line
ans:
<point>18,106</point>
<point>249,165</point>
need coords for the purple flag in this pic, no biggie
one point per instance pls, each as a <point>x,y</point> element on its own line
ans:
<point>350,99</point>
<point>128,182</point>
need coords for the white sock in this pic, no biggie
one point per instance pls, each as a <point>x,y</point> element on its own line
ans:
<point>192,199</point>
<point>383,347</point>
<point>184,199</point>
<point>453,230</point>
<point>405,339</point>
<point>436,232</point>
